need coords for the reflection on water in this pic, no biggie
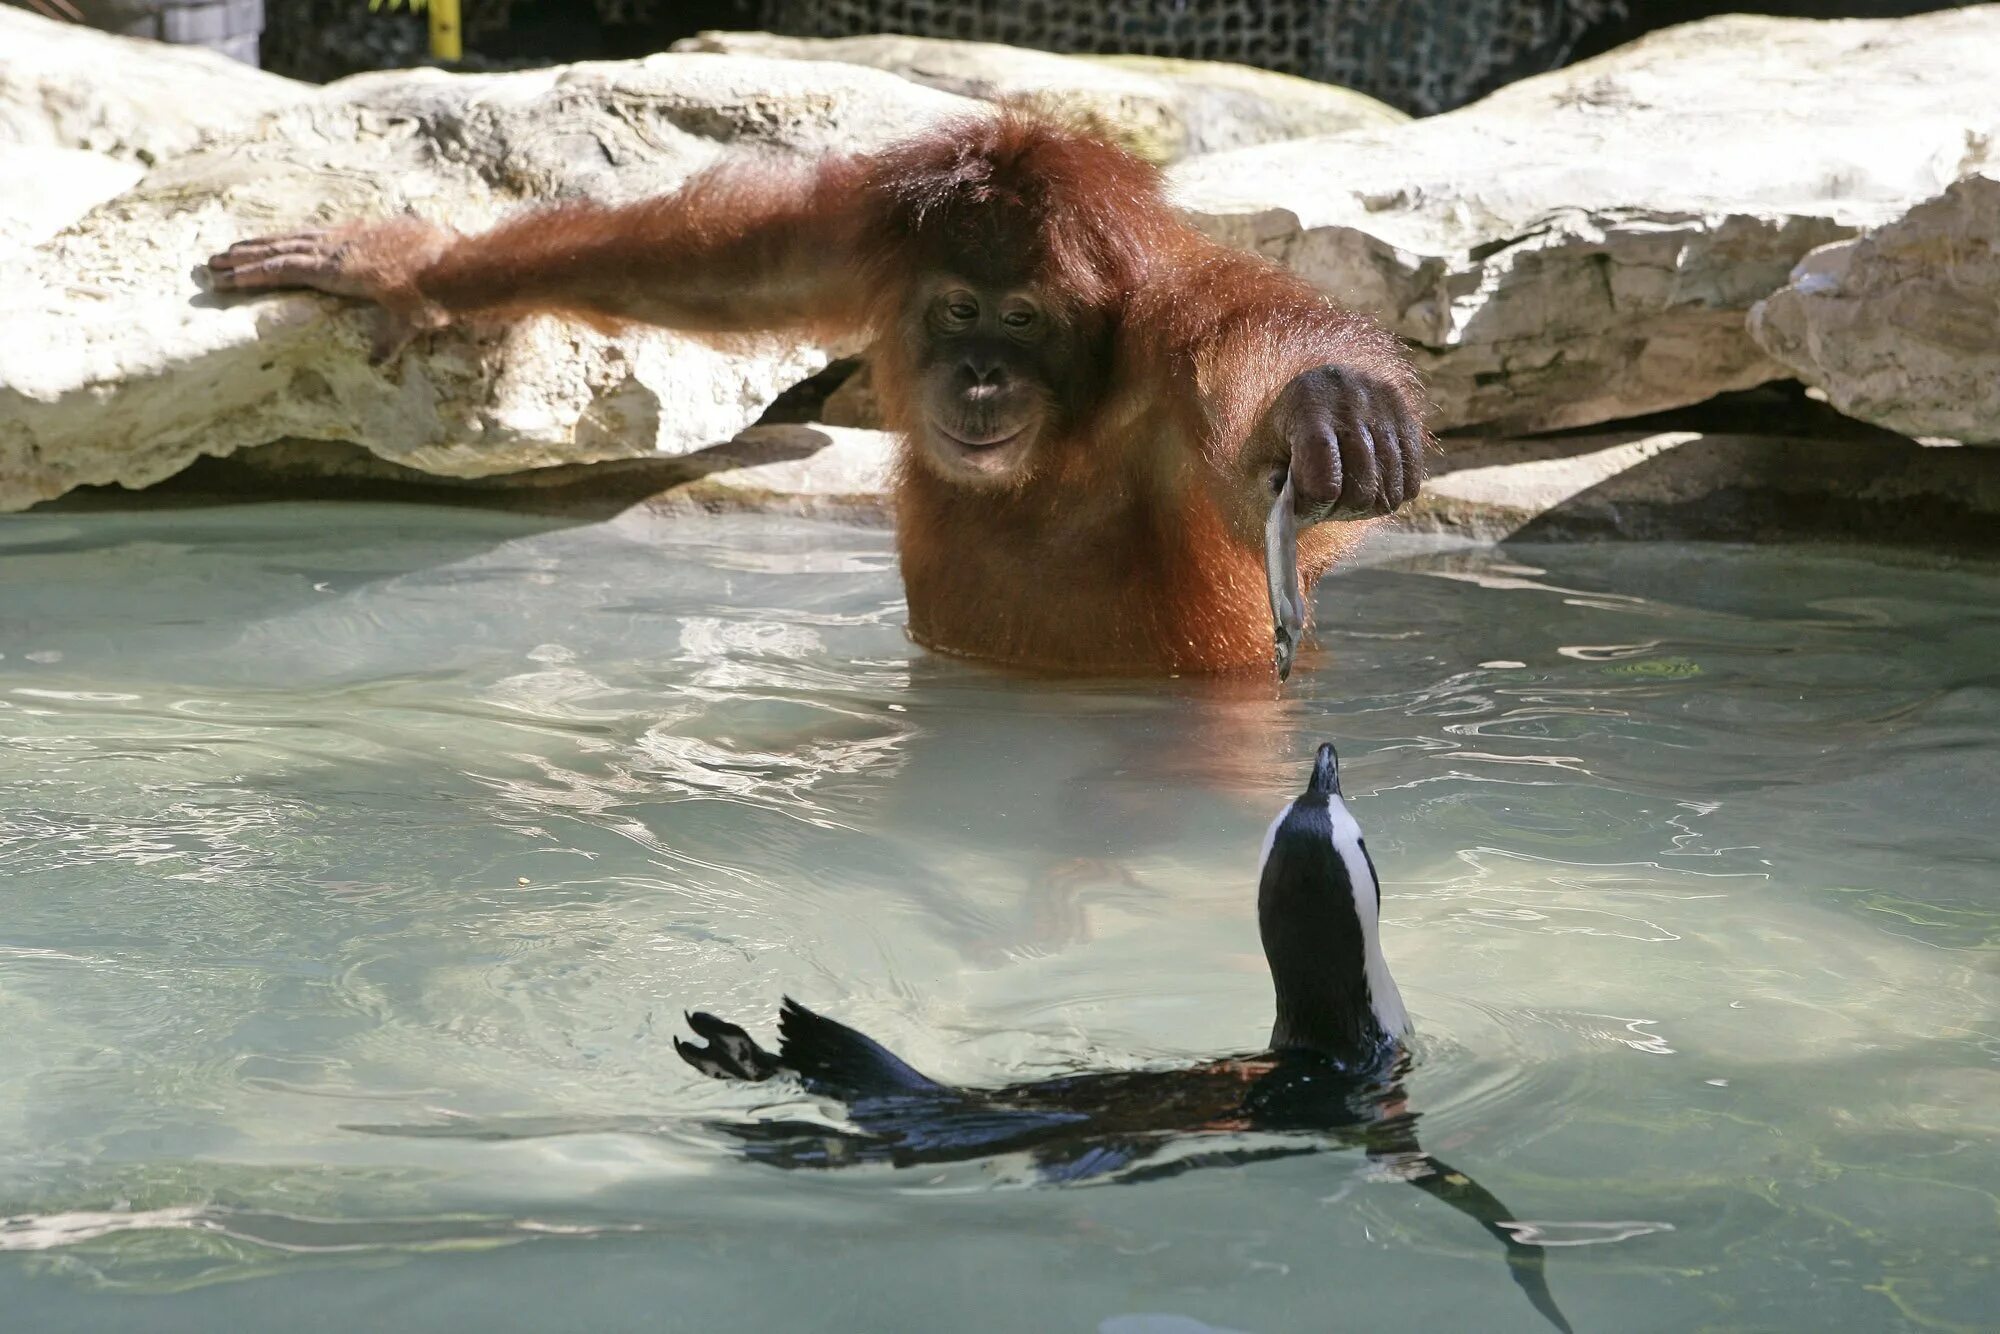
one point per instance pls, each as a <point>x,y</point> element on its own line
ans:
<point>325,818</point>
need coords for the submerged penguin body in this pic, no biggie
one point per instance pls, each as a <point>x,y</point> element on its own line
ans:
<point>1330,1077</point>
<point>1072,1127</point>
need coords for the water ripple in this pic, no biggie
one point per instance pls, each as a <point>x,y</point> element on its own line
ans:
<point>314,829</point>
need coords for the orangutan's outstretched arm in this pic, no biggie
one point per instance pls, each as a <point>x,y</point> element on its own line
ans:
<point>737,248</point>
<point>1284,379</point>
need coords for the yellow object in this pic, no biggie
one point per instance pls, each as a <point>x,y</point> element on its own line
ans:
<point>446,40</point>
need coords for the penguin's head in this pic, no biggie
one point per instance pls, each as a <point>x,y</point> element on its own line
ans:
<point>1325,780</point>
<point>1319,911</point>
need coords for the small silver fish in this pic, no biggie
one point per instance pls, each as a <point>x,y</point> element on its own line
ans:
<point>1281,577</point>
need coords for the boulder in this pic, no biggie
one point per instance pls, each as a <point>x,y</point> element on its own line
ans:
<point>120,368</point>
<point>1585,245</point>
<point>1161,109</point>
<point>53,187</point>
<point>1902,327</point>
<point>67,86</point>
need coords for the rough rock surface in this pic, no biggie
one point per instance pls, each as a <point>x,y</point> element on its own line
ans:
<point>1902,327</point>
<point>1653,485</point>
<point>65,86</point>
<point>119,367</point>
<point>1584,245</point>
<point>1163,110</point>
<point>49,188</point>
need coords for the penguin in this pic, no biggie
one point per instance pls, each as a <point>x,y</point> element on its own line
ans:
<point>1330,1075</point>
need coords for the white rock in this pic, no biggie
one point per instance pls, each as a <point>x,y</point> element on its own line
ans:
<point>63,85</point>
<point>118,367</point>
<point>1584,245</point>
<point>51,188</point>
<point>1902,327</point>
<point>1163,110</point>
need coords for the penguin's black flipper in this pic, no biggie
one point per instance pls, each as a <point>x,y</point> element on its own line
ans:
<point>1525,1260</point>
<point>727,1053</point>
<point>833,1058</point>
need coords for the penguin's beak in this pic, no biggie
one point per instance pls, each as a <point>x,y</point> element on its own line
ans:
<point>1325,780</point>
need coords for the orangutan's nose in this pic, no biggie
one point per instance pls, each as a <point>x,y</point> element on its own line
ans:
<point>982,374</point>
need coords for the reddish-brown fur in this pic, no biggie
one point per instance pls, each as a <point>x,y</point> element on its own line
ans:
<point>1133,542</point>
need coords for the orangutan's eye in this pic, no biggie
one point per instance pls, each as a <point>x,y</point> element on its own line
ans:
<point>962,310</point>
<point>1018,319</point>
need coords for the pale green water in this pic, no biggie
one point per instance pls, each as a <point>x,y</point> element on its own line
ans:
<point>315,817</point>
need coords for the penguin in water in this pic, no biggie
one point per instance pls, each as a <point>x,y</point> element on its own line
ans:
<point>1330,1076</point>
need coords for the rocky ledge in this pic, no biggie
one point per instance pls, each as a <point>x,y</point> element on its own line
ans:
<point>1747,468</point>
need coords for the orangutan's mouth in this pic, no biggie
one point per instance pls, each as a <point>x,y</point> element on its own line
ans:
<point>980,446</point>
<point>991,460</point>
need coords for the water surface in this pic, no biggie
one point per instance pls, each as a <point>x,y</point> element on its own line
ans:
<point>315,818</point>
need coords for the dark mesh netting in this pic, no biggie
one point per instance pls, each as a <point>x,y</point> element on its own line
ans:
<point>1421,55</point>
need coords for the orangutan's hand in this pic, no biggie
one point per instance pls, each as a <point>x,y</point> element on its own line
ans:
<point>1356,440</point>
<point>378,262</point>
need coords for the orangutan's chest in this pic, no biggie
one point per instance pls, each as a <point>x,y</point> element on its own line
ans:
<point>1127,591</point>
